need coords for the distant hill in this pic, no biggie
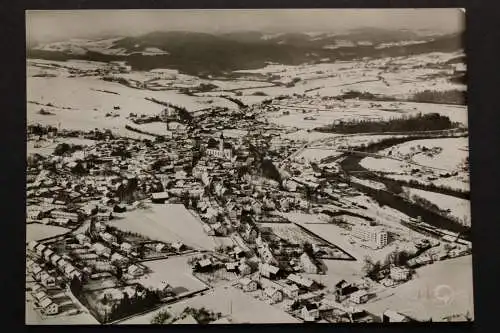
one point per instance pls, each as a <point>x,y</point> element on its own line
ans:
<point>202,53</point>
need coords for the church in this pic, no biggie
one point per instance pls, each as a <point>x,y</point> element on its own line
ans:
<point>220,149</point>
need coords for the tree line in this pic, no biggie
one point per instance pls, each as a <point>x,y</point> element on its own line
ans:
<point>411,123</point>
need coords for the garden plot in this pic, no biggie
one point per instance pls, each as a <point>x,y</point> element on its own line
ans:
<point>167,223</point>
<point>175,271</point>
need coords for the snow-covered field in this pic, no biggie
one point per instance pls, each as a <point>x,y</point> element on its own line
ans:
<point>176,271</point>
<point>458,208</point>
<point>36,231</point>
<point>168,223</point>
<point>315,155</point>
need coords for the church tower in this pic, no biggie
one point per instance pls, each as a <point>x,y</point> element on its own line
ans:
<point>221,143</point>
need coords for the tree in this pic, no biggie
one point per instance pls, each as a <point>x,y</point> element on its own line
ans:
<point>161,317</point>
<point>367,265</point>
<point>62,149</point>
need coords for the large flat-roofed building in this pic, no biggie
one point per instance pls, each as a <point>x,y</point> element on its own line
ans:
<point>375,236</point>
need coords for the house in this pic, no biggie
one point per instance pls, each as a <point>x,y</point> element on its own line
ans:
<point>274,294</point>
<point>159,197</point>
<point>82,239</point>
<point>307,264</point>
<point>359,297</point>
<point>232,267</point>
<point>343,288</point>
<point>178,246</point>
<point>135,270</point>
<point>101,249</point>
<point>238,252</point>
<point>70,272</point>
<point>119,259</point>
<point>47,253</point>
<point>310,312</point>
<point>244,269</point>
<point>57,214</point>
<point>126,247</point>
<point>300,281</point>
<point>186,319</point>
<point>47,280</point>
<point>32,246</point>
<point>160,247</point>
<point>39,249</point>
<point>36,288</point>
<point>49,307</point>
<point>104,216</point>
<point>390,316</point>
<point>40,296</point>
<point>204,265</point>
<point>268,271</point>
<point>37,271</point>
<point>399,273</point>
<point>290,290</point>
<point>248,284</point>
<point>100,227</point>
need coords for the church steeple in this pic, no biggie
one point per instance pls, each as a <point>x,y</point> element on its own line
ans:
<point>221,142</point>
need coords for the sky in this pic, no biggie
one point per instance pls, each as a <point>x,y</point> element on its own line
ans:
<point>59,25</point>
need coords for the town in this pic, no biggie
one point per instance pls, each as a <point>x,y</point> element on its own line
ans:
<point>219,206</point>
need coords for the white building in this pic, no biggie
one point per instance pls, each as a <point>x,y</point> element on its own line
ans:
<point>373,235</point>
<point>359,297</point>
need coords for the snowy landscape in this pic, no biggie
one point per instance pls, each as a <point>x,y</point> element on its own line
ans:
<point>184,177</point>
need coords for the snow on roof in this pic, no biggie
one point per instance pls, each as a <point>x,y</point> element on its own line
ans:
<point>394,315</point>
<point>160,195</point>
<point>270,268</point>
<point>46,302</point>
<point>221,321</point>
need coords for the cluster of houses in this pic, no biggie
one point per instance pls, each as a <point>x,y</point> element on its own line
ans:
<point>46,304</point>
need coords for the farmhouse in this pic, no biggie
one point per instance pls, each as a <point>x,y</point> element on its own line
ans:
<point>359,297</point>
<point>135,270</point>
<point>375,236</point>
<point>301,281</point>
<point>391,316</point>
<point>248,284</point>
<point>82,239</point>
<point>268,271</point>
<point>101,249</point>
<point>49,307</point>
<point>107,237</point>
<point>47,280</point>
<point>126,247</point>
<point>159,197</point>
<point>204,265</point>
